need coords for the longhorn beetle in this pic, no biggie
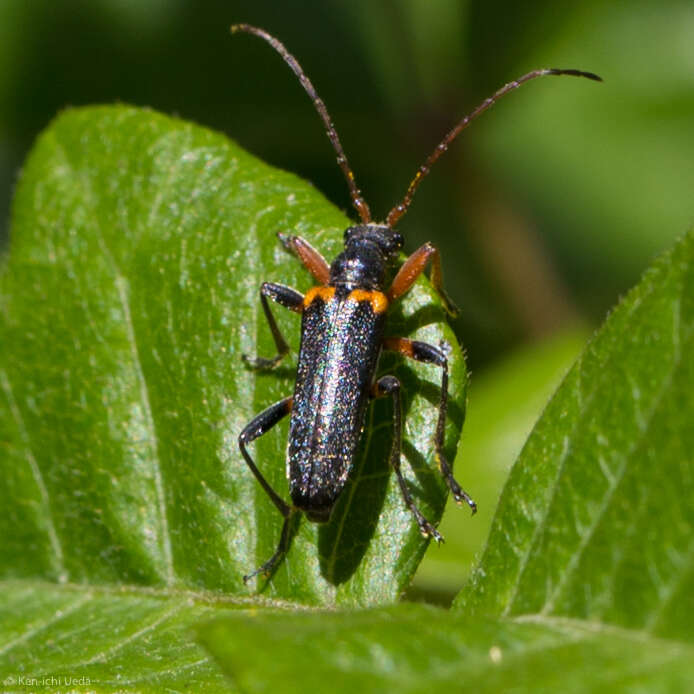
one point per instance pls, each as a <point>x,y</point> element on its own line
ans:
<point>342,336</point>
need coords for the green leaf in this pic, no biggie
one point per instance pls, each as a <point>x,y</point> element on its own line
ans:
<point>138,247</point>
<point>596,521</point>
<point>587,580</point>
<point>105,639</point>
<point>415,648</point>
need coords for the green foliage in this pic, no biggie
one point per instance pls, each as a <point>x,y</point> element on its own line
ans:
<point>83,638</point>
<point>130,295</point>
<point>586,583</point>
<point>596,519</point>
<point>130,292</point>
<point>417,648</point>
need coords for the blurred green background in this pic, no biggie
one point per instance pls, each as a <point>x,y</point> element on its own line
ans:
<point>547,209</point>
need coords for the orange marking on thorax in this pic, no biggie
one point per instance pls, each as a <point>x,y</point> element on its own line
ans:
<point>324,293</point>
<point>378,300</point>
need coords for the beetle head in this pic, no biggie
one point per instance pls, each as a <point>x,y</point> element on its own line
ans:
<point>389,242</point>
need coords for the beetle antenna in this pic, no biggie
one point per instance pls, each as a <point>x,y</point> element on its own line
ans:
<point>399,210</point>
<point>357,200</point>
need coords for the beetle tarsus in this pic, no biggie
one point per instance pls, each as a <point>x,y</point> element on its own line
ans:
<point>459,494</point>
<point>448,304</point>
<point>268,568</point>
<point>428,530</point>
<point>262,363</point>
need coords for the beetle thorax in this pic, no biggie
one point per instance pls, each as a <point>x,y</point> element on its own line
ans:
<point>369,250</point>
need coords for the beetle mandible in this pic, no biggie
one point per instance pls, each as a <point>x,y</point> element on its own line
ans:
<point>342,336</point>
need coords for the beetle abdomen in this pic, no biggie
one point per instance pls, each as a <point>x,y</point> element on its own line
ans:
<point>340,344</point>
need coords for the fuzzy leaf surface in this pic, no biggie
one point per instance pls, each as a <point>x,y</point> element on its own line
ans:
<point>596,521</point>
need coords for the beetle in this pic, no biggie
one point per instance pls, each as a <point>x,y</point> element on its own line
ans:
<point>342,336</point>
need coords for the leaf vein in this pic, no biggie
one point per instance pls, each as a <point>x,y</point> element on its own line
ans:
<point>130,638</point>
<point>34,629</point>
<point>585,402</point>
<point>122,287</point>
<point>38,479</point>
<point>609,493</point>
<point>670,591</point>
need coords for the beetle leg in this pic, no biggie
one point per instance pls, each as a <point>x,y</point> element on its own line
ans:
<point>413,268</point>
<point>423,352</point>
<point>284,296</point>
<point>269,566</point>
<point>253,430</point>
<point>312,260</point>
<point>389,385</point>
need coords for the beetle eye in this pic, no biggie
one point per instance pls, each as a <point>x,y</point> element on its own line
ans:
<point>393,242</point>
